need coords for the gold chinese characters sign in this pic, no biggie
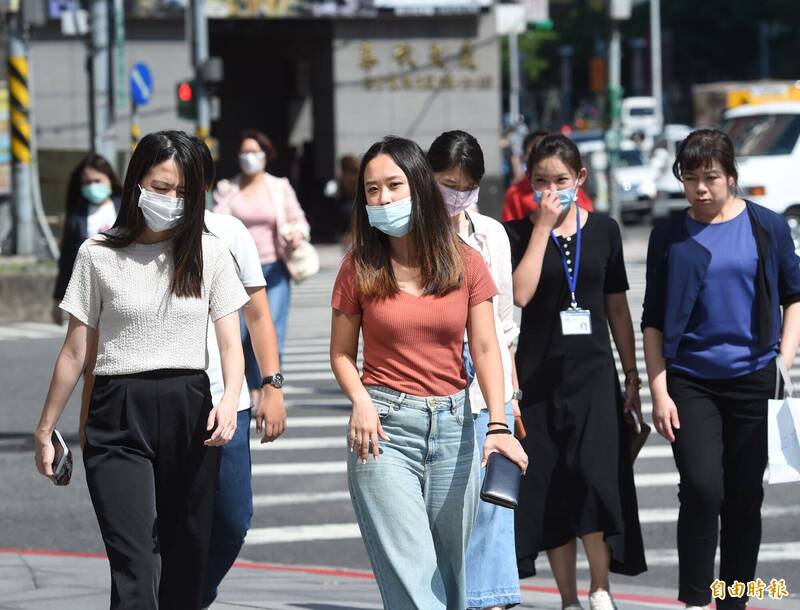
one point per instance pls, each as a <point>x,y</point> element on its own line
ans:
<point>776,589</point>
<point>408,69</point>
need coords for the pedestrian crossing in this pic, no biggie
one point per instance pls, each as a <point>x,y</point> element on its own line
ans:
<point>301,502</point>
<point>302,476</point>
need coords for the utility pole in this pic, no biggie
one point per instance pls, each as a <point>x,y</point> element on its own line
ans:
<point>199,60</point>
<point>565,52</point>
<point>102,98</point>
<point>620,10</point>
<point>655,59</point>
<point>20,134</point>
<point>513,72</point>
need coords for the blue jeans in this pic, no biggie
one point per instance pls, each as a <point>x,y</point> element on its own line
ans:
<point>416,505</point>
<point>233,507</point>
<point>278,294</point>
<point>492,578</point>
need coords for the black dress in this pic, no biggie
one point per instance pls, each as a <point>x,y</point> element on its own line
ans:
<point>580,476</point>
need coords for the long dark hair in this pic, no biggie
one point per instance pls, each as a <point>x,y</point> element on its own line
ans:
<point>457,149</point>
<point>76,202</point>
<point>441,258</point>
<point>187,248</point>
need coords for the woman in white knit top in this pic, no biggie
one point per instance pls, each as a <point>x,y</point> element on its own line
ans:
<point>152,435</point>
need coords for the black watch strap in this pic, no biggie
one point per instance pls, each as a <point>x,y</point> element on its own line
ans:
<point>276,380</point>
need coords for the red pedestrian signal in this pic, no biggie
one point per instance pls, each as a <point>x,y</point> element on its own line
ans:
<point>185,92</point>
<point>186,105</point>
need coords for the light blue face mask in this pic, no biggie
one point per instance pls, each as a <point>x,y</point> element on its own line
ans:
<point>393,218</point>
<point>565,196</point>
<point>96,192</point>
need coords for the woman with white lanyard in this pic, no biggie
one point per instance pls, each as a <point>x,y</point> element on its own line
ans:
<point>152,436</point>
<point>457,161</point>
<point>570,280</point>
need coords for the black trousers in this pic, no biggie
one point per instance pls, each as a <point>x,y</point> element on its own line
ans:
<point>152,484</point>
<point>721,453</point>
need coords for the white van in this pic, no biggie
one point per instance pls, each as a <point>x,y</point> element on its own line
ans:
<point>767,142</point>
<point>638,115</point>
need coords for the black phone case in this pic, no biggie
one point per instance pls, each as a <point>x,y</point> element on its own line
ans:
<point>501,482</point>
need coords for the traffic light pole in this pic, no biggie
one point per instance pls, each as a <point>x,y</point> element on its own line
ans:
<point>102,128</point>
<point>614,103</point>
<point>199,59</point>
<point>20,135</point>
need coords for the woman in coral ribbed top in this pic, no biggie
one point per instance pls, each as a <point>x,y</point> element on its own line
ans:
<point>412,288</point>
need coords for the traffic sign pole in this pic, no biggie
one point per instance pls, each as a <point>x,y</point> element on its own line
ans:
<point>136,128</point>
<point>141,87</point>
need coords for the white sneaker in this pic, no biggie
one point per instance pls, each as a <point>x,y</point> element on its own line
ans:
<point>601,600</point>
<point>573,607</point>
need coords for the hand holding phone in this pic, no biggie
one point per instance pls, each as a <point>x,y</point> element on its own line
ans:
<point>62,460</point>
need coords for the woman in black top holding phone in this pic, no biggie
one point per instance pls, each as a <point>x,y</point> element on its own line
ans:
<point>570,280</point>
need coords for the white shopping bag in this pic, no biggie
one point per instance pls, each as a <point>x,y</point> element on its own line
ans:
<point>783,432</point>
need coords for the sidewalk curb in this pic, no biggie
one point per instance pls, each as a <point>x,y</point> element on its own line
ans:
<point>538,594</point>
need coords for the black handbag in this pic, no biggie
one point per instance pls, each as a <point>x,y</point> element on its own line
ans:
<point>501,481</point>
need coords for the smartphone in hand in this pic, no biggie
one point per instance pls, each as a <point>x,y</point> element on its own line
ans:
<point>62,461</point>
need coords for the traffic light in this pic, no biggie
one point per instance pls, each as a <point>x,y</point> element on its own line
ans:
<point>186,101</point>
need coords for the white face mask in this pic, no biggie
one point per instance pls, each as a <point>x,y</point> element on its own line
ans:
<point>161,212</point>
<point>252,162</point>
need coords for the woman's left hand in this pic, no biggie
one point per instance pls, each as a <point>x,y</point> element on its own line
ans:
<point>294,239</point>
<point>633,404</point>
<point>223,416</point>
<point>508,446</point>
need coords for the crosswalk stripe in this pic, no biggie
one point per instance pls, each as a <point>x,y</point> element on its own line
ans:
<point>297,444</point>
<point>302,498</point>
<point>324,421</point>
<point>301,533</point>
<point>658,479</point>
<point>769,552</point>
<point>670,515</point>
<point>299,468</point>
<point>337,442</point>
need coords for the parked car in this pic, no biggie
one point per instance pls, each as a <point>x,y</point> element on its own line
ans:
<point>767,142</point>
<point>634,177</point>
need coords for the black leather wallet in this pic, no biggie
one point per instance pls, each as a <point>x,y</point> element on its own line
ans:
<point>637,431</point>
<point>501,481</point>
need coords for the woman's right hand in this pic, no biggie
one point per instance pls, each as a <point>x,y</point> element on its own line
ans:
<point>365,428</point>
<point>550,209</point>
<point>57,314</point>
<point>508,446</point>
<point>45,453</point>
<point>665,416</point>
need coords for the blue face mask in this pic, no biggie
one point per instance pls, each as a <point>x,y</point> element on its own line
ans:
<point>96,192</point>
<point>393,219</point>
<point>565,196</point>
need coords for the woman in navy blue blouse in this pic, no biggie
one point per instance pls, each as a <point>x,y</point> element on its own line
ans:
<point>717,278</point>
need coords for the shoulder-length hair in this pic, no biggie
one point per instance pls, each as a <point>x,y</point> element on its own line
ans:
<point>187,250</point>
<point>439,251</point>
<point>76,202</point>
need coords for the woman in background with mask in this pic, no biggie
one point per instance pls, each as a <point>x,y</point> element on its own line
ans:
<point>570,280</point>
<point>146,288</point>
<point>457,161</point>
<point>268,207</point>
<point>413,288</point>
<point>92,205</point>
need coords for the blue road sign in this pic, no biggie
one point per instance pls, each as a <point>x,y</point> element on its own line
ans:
<point>141,83</point>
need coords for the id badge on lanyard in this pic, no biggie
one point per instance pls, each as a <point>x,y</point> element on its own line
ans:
<point>574,320</point>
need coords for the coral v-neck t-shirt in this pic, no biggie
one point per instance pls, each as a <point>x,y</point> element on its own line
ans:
<point>414,344</point>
